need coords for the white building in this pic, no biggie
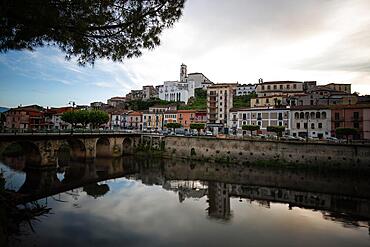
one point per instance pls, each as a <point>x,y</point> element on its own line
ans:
<point>245,89</point>
<point>259,116</point>
<point>183,89</point>
<point>311,121</point>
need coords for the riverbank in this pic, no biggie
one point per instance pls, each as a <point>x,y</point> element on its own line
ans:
<point>262,153</point>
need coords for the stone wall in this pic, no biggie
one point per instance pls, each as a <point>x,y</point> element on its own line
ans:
<point>338,156</point>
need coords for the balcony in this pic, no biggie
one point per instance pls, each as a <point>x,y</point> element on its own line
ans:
<point>339,119</point>
<point>357,119</point>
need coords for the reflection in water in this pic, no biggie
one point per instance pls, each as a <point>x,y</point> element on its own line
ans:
<point>134,192</point>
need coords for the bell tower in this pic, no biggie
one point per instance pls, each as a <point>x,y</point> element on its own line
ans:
<point>183,73</point>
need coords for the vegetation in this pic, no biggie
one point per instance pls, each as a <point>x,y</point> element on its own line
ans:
<point>112,29</point>
<point>251,128</point>
<point>197,126</point>
<point>140,105</point>
<point>346,132</point>
<point>243,101</point>
<point>173,126</point>
<point>95,118</point>
<point>199,102</point>
<point>276,129</point>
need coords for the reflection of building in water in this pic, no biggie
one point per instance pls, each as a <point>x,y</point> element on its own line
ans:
<point>219,200</point>
<point>187,189</point>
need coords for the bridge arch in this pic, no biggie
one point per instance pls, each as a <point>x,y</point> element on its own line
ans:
<point>103,149</point>
<point>78,149</point>
<point>127,146</point>
<point>22,154</point>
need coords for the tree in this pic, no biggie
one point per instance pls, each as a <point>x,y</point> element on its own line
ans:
<point>88,29</point>
<point>70,117</point>
<point>197,126</point>
<point>251,128</point>
<point>173,126</point>
<point>276,129</point>
<point>346,132</point>
<point>82,117</point>
<point>97,118</point>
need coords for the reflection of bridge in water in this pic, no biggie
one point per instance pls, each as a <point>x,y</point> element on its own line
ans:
<point>341,197</point>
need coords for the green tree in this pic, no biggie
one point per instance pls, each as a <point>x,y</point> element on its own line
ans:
<point>251,128</point>
<point>276,129</point>
<point>173,126</point>
<point>97,118</point>
<point>346,132</point>
<point>82,117</point>
<point>197,126</point>
<point>70,117</point>
<point>88,29</point>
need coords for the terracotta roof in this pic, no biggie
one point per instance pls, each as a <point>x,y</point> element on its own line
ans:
<point>135,113</point>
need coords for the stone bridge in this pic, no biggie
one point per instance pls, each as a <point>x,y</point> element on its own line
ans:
<point>43,149</point>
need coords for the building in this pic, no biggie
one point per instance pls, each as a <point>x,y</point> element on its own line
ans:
<point>135,120</point>
<point>153,120</point>
<point>200,116</point>
<point>185,118</point>
<point>149,92</point>
<point>118,119</point>
<point>116,101</point>
<point>346,88</point>
<point>219,103</point>
<point>169,116</point>
<point>272,88</point>
<point>183,89</point>
<point>26,117</point>
<point>311,121</point>
<point>269,101</point>
<point>352,116</point>
<point>259,116</point>
<point>53,118</point>
<point>245,89</point>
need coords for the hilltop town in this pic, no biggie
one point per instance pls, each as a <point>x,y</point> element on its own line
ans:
<point>300,109</point>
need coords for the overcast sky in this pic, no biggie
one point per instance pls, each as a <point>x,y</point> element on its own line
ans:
<point>228,41</point>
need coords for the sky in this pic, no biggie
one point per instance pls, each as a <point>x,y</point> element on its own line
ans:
<point>228,41</point>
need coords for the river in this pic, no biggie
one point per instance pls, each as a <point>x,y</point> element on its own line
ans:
<point>139,202</point>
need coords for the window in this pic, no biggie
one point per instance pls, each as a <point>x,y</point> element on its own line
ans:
<point>263,87</point>
<point>244,116</point>
<point>323,115</point>
<point>220,115</point>
<point>356,125</point>
<point>275,87</point>
<point>280,123</point>
<point>257,101</point>
<point>320,126</point>
<point>336,116</point>
<point>305,125</point>
<point>301,115</point>
<point>337,125</point>
<point>281,86</point>
<point>267,101</point>
<point>280,116</point>
<point>298,125</point>
<point>295,86</point>
<point>288,86</point>
<point>296,115</point>
<point>356,115</point>
<point>318,115</point>
<point>312,126</point>
<point>268,87</point>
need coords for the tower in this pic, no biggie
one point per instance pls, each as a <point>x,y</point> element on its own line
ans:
<point>183,73</point>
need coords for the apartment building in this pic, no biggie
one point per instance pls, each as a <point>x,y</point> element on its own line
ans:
<point>259,116</point>
<point>219,103</point>
<point>245,89</point>
<point>272,88</point>
<point>311,121</point>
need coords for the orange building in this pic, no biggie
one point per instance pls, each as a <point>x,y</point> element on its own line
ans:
<point>185,118</point>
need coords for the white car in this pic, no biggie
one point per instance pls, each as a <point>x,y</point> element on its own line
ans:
<point>209,133</point>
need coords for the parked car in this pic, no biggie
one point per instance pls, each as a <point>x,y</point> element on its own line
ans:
<point>332,139</point>
<point>209,133</point>
<point>299,138</point>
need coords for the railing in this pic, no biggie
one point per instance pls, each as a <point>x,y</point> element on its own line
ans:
<point>65,132</point>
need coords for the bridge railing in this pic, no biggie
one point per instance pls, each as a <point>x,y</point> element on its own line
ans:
<point>62,132</point>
